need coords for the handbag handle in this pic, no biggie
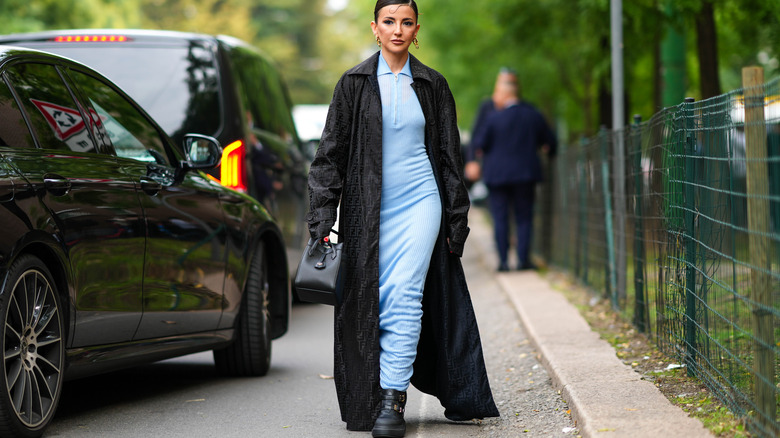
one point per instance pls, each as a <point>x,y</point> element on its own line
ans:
<point>328,250</point>
<point>332,231</point>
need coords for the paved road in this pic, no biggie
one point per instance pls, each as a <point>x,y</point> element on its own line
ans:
<point>185,398</point>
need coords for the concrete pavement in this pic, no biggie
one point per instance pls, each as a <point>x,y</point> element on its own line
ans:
<point>606,397</point>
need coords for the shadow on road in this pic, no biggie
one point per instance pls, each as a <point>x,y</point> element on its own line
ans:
<point>142,383</point>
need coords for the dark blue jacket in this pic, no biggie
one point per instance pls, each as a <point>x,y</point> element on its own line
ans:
<point>486,108</point>
<point>509,140</point>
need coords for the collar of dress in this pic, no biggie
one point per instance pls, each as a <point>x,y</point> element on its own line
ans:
<point>370,65</point>
<point>383,68</point>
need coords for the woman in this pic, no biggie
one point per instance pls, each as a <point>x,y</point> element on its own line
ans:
<point>390,154</point>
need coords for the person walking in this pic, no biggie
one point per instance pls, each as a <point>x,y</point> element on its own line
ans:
<point>473,169</point>
<point>501,96</point>
<point>508,138</point>
<point>389,158</point>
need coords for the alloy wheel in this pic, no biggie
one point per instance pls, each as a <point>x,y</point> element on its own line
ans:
<point>33,348</point>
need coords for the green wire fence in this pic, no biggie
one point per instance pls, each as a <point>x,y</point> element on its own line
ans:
<point>701,262</point>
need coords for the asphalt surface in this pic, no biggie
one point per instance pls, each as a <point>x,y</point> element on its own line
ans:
<point>184,397</point>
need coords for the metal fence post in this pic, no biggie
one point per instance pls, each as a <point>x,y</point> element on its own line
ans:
<point>547,192</point>
<point>582,247</point>
<point>563,211</point>
<point>640,299</point>
<point>690,231</point>
<point>610,278</point>
<point>758,226</point>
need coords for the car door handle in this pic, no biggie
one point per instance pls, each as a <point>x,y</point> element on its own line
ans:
<point>56,185</point>
<point>150,186</point>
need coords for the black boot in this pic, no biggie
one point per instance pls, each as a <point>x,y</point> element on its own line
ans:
<point>390,422</point>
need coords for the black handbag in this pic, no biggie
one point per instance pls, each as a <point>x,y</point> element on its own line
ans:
<point>317,279</point>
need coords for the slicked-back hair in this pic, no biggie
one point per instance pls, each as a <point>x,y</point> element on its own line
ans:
<point>382,3</point>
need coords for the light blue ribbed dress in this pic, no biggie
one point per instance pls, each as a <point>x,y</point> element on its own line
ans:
<point>410,218</point>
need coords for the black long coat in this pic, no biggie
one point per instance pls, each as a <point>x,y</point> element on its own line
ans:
<point>348,169</point>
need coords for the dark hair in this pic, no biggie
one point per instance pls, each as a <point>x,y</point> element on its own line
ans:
<point>382,3</point>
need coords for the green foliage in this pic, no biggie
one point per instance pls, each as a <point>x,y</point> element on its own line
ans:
<point>35,15</point>
<point>231,17</point>
<point>23,16</point>
<point>561,48</point>
<point>715,417</point>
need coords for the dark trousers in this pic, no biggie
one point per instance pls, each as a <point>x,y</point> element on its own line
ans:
<point>520,198</point>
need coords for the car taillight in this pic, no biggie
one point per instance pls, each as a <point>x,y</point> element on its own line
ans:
<point>91,39</point>
<point>233,174</point>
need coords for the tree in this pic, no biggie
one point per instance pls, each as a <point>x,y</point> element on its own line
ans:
<point>290,30</point>
<point>556,45</point>
<point>36,15</point>
<point>707,44</point>
<point>230,17</point>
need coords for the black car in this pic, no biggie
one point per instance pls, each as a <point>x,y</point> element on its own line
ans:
<point>117,249</point>
<point>213,85</point>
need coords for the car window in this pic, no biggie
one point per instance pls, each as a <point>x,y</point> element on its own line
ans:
<point>177,84</point>
<point>13,128</point>
<point>263,95</point>
<point>54,115</point>
<point>130,133</point>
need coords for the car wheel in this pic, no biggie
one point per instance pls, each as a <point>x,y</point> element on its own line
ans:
<point>250,352</point>
<point>34,351</point>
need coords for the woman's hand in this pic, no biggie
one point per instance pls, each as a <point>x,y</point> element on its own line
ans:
<point>472,171</point>
<point>456,251</point>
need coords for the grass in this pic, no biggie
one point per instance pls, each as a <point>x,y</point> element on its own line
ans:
<point>717,418</point>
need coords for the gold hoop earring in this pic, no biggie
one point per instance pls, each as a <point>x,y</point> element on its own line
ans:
<point>378,43</point>
<point>416,44</point>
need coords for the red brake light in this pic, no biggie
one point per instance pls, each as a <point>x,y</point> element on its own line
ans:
<point>233,174</point>
<point>91,39</point>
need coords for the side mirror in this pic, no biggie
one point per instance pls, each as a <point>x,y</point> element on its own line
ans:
<point>201,152</point>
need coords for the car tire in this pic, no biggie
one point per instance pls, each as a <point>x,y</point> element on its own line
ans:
<point>250,352</point>
<point>32,337</point>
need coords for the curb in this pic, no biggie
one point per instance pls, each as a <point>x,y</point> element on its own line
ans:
<point>606,396</point>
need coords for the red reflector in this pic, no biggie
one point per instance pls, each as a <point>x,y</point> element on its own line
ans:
<point>91,39</point>
<point>233,174</point>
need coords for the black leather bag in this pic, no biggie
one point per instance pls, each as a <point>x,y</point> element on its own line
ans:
<point>317,279</point>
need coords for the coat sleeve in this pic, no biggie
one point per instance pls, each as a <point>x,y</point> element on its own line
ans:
<point>457,199</point>
<point>327,171</point>
<point>482,137</point>
<point>479,125</point>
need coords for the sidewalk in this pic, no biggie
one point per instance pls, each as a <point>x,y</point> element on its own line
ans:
<point>606,397</point>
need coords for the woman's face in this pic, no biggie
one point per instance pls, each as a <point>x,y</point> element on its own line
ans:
<point>396,28</point>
